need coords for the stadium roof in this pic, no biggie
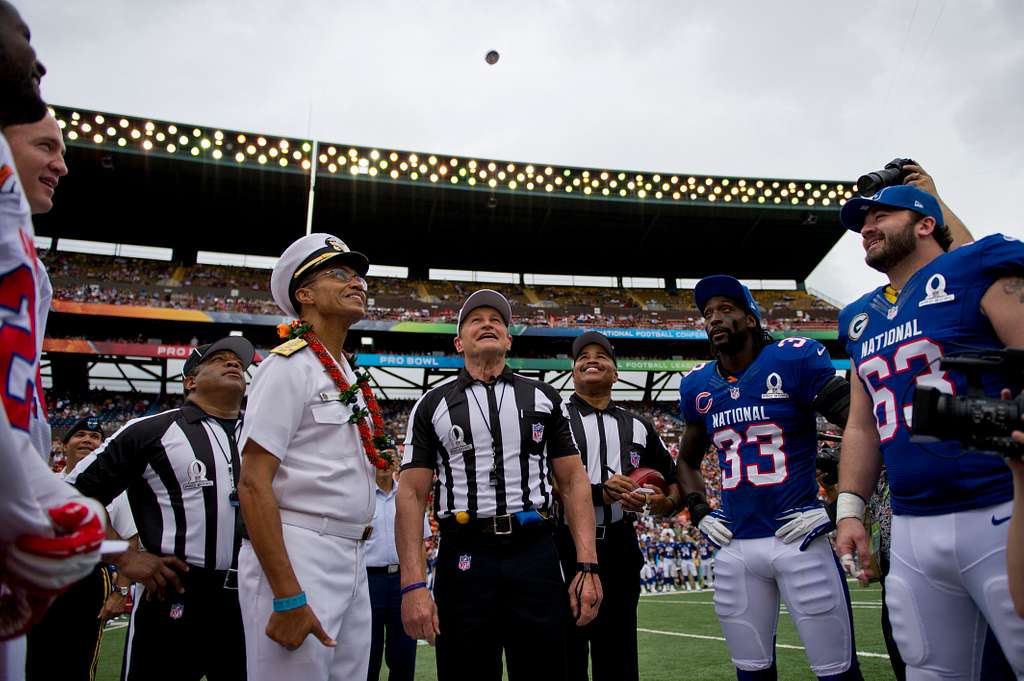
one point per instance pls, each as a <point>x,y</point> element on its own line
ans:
<point>188,187</point>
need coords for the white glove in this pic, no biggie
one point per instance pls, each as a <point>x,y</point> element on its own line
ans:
<point>804,523</point>
<point>52,564</point>
<point>714,527</point>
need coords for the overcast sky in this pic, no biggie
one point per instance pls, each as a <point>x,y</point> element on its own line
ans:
<point>813,90</point>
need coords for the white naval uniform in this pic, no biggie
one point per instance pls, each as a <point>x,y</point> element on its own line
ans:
<point>324,477</point>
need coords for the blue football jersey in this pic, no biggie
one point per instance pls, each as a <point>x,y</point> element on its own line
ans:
<point>764,430</point>
<point>686,551</point>
<point>895,348</point>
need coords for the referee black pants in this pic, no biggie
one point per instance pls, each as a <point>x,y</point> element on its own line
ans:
<point>500,593</point>
<point>189,635</point>
<point>610,640</point>
<point>65,645</point>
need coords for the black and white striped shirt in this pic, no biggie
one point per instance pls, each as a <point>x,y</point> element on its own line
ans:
<point>179,468</point>
<point>613,441</point>
<point>490,444</point>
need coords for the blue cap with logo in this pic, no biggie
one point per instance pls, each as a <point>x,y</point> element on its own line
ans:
<point>898,196</point>
<point>727,287</point>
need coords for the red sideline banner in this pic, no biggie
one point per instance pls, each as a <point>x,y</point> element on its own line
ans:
<point>86,347</point>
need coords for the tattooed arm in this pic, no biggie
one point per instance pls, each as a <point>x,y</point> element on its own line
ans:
<point>1003,304</point>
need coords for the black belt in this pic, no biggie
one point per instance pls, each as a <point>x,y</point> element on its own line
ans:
<point>382,569</point>
<point>499,525</point>
<point>602,531</point>
<point>226,578</point>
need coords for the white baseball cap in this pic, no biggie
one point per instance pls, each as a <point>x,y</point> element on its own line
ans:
<point>308,254</point>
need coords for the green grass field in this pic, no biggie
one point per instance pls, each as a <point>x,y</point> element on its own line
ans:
<point>679,638</point>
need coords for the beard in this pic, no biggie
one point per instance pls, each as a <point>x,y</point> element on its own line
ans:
<point>734,341</point>
<point>894,248</point>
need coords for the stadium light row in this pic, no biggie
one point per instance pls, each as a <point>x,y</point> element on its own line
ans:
<point>156,138</point>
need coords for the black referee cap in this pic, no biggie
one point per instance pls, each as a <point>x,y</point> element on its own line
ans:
<point>89,423</point>
<point>236,344</point>
<point>592,338</point>
<point>486,297</point>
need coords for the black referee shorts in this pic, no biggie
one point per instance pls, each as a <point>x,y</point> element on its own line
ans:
<point>500,593</point>
<point>65,645</point>
<point>610,640</point>
<point>187,636</point>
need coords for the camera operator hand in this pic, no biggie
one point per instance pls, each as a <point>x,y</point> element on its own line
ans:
<point>919,177</point>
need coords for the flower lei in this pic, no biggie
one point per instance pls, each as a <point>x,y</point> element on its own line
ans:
<point>377,445</point>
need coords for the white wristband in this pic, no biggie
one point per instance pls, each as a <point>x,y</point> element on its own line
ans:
<point>850,505</point>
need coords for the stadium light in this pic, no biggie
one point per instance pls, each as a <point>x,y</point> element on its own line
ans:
<point>282,154</point>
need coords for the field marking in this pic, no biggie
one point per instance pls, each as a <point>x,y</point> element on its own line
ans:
<point>117,625</point>
<point>704,637</point>
<point>857,606</point>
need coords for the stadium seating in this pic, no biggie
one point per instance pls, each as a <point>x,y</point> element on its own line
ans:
<point>124,281</point>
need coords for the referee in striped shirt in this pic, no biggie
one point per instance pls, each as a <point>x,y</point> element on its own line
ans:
<point>494,439</point>
<point>180,468</point>
<point>613,443</point>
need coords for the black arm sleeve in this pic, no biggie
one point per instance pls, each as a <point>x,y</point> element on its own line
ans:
<point>833,401</point>
<point>115,464</point>
<point>560,441</point>
<point>421,442</point>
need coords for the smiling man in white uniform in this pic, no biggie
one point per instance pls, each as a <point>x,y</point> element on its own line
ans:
<point>307,486</point>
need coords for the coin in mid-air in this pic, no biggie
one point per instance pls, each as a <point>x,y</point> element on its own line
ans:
<point>492,57</point>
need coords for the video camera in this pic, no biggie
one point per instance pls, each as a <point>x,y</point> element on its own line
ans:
<point>974,420</point>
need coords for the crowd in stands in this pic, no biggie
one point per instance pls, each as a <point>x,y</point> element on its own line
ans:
<point>124,281</point>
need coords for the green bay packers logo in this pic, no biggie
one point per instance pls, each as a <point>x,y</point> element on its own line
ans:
<point>857,326</point>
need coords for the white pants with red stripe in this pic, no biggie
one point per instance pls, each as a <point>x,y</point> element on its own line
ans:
<point>332,573</point>
<point>946,586</point>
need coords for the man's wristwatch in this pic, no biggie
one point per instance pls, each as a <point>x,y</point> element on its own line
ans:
<point>124,591</point>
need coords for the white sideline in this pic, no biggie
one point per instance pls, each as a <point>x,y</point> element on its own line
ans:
<point>860,653</point>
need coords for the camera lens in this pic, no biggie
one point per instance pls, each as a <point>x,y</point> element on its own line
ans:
<point>870,184</point>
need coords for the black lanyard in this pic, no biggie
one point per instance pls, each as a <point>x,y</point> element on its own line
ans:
<point>233,495</point>
<point>493,476</point>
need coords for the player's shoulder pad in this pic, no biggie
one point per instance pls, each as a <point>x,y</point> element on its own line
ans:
<point>993,256</point>
<point>851,318</point>
<point>695,377</point>
<point>797,347</point>
<point>289,348</point>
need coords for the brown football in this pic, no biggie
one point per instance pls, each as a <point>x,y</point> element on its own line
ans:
<point>650,478</point>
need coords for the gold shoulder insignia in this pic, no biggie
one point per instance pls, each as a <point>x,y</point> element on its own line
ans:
<point>289,348</point>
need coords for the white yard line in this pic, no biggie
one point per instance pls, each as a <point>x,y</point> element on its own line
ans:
<point>860,606</point>
<point>702,637</point>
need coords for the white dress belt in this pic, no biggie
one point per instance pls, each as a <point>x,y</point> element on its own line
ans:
<point>324,525</point>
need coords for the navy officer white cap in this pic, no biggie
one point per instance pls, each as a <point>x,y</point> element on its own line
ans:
<point>310,253</point>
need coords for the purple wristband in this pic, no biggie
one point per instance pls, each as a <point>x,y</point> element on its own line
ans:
<point>413,587</point>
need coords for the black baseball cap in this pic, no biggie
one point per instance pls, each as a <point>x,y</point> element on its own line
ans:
<point>486,297</point>
<point>592,338</point>
<point>236,344</point>
<point>88,423</point>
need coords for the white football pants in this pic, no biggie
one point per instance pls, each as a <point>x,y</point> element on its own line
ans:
<point>946,586</point>
<point>750,577</point>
